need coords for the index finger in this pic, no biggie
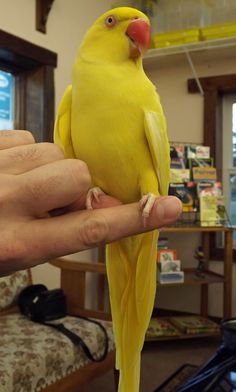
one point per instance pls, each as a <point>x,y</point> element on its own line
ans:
<point>62,235</point>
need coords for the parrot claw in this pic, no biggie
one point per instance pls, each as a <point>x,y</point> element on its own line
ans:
<point>146,203</point>
<point>93,193</point>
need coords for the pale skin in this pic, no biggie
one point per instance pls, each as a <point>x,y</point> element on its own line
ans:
<point>42,206</point>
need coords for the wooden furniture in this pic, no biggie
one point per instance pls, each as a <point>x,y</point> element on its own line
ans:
<point>211,277</point>
<point>74,284</point>
<point>73,276</point>
<point>190,279</point>
<point>63,367</point>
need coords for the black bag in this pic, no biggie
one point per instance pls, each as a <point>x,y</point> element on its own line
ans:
<point>42,305</point>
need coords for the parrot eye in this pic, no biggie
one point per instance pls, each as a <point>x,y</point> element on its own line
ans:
<point>110,21</point>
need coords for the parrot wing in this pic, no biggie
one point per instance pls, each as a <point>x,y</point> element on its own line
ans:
<point>154,124</point>
<point>62,130</point>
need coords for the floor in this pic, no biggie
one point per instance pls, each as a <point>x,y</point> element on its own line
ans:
<point>159,360</point>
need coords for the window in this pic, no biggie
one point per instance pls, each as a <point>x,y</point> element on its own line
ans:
<point>6,100</point>
<point>229,155</point>
<point>32,70</point>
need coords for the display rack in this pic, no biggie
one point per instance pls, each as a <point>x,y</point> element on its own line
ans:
<point>210,277</point>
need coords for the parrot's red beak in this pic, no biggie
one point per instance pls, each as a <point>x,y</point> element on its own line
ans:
<point>138,32</point>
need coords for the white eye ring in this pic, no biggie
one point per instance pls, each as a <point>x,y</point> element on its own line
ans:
<point>110,21</point>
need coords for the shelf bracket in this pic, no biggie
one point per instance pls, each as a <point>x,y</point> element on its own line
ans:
<point>193,70</point>
<point>43,8</point>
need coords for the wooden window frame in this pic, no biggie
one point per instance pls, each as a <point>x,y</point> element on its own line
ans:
<point>214,88</point>
<point>33,68</point>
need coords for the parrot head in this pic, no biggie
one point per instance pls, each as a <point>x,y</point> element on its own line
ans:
<point>121,34</point>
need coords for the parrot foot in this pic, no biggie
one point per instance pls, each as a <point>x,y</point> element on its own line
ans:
<point>146,203</point>
<point>93,193</point>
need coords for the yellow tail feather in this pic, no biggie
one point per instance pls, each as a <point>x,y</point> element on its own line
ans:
<point>131,268</point>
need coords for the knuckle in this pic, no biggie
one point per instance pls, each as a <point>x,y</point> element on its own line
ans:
<point>53,151</point>
<point>94,231</point>
<point>79,173</point>
<point>26,136</point>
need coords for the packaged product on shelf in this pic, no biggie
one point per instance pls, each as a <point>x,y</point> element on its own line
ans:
<point>167,262</point>
<point>206,188</point>
<point>162,242</point>
<point>173,38</point>
<point>204,174</point>
<point>200,162</point>
<point>170,277</point>
<point>221,215</point>
<point>218,31</point>
<point>179,175</point>
<point>177,149</point>
<point>169,265</point>
<point>195,324</point>
<point>161,327</point>
<point>197,151</point>
<point>186,193</point>
<point>177,156</point>
<point>208,210</point>
<point>212,204</point>
<point>166,254</point>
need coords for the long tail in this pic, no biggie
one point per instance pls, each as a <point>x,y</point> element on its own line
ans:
<point>131,267</point>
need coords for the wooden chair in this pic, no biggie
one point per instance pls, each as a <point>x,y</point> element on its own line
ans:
<point>44,359</point>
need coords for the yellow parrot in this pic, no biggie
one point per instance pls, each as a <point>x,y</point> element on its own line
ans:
<point>111,118</point>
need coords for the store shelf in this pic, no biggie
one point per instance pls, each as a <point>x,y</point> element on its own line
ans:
<point>182,336</point>
<point>210,277</point>
<point>196,229</point>
<point>209,49</point>
<point>191,279</point>
<point>164,328</point>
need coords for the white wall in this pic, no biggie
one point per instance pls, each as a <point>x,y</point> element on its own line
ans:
<point>67,22</point>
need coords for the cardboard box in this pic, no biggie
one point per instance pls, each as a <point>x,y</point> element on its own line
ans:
<point>170,277</point>
<point>197,151</point>
<point>179,175</point>
<point>204,174</point>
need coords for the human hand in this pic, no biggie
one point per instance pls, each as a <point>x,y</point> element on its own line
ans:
<point>43,206</point>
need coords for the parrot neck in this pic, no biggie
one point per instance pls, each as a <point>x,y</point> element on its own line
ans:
<point>130,63</point>
<point>102,57</point>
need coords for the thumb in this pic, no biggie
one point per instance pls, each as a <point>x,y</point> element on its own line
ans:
<point>166,211</point>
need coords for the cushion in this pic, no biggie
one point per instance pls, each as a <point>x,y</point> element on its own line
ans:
<point>33,356</point>
<point>10,287</point>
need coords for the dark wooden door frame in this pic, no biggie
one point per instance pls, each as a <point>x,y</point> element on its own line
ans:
<point>214,88</point>
<point>33,67</point>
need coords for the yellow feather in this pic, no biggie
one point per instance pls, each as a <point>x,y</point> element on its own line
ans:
<point>62,130</point>
<point>113,120</point>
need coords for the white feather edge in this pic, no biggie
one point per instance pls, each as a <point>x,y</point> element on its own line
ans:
<point>159,147</point>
